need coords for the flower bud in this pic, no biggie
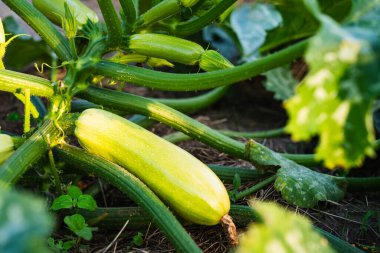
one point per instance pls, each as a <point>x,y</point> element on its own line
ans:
<point>212,60</point>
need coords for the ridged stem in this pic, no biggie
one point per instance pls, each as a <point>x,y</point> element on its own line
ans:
<point>157,111</point>
<point>135,189</point>
<point>200,81</point>
<point>12,81</point>
<point>113,24</point>
<point>27,154</point>
<point>129,11</point>
<point>184,29</point>
<point>177,137</point>
<point>42,26</point>
<point>186,105</point>
<point>164,9</point>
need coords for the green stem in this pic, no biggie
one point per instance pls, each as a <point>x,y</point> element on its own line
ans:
<point>12,81</point>
<point>179,136</point>
<point>54,69</point>
<point>158,12</point>
<point>57,180</point>
<point>27,154</point>
<point>129,11</point>
<point>141,120</point>
<point>135,189</point>
<point>42,26</point>
<point>255,188</point>
<point>197,103</point>
<point>185,29</point>
<point>157,111</point>
<point>27,111</point>
<point>112,21</point>
<point>259,134</point>
<point>186,82</point>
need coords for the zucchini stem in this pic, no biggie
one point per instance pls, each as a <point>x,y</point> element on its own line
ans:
<point>27,154</point>
<point>113,24</point>
<point>179,136</point>
<point>255,188</point>
<point>200,81</point>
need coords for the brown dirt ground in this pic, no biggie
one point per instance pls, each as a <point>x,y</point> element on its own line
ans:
<point>248,107</point>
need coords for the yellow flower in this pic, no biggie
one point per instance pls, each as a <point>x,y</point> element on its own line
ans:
<point>6,147</point>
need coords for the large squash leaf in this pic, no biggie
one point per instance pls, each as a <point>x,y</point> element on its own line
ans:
<point>281,231</point>
<point>336,97</point>
<point>298,185</point>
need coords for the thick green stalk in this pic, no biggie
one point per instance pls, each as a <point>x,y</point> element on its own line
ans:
<point>157,111</point>
<point>242,215</point>
<point>135,189</point>
<point>185,29</point>
<point>185,105</point>
<point>200,81</point>
<point>158,12</point>
<point>42,26</point>
<point>28,153</point>
<point>112,20</point>
<point>179,136</point>
<point>197,103</point>
<point>129,11</point>
<point>12,81</point>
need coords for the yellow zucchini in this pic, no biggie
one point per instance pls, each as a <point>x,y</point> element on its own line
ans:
<point>183,182</point>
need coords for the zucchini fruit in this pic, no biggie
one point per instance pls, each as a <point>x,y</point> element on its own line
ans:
<point>166,47</point>
<point>55,10</point>
<point>187,185</point>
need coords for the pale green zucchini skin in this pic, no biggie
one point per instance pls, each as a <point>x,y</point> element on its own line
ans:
<point>183,182</point>
<point>55,10</point>
<point>166,47</point>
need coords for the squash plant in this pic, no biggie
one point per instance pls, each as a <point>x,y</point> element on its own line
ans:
<point>90,50</point>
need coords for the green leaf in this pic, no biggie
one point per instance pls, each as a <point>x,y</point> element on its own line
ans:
<point>78,225</point>
<point>25,224</point>
<point>281,231</point>
<point>305,188</point>
<point>87,202</point>
<point>251,23</point>
<point>298,185</point>
<point>298,23</point>
<point>24,49</point>
<point>335,99</point>
<point>281,82</point>
<point>74,191</point>
<point>60,246</point>
<point>138,239</point>
<point>62,202</point>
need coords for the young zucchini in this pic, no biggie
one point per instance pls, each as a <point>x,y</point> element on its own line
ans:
<point>188,186</point>
<point>55,10</point>
<point>166,47</point>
